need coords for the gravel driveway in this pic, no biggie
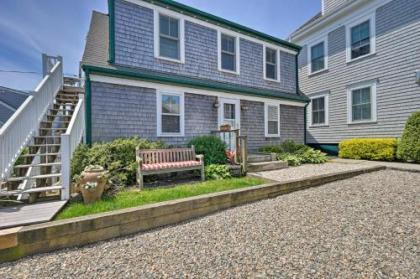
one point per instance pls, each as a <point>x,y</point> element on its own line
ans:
<point>364,227</point>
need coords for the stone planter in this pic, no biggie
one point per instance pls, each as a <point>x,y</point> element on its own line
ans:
<point>92,183</point>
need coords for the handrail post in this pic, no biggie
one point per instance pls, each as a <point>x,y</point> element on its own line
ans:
<point>65,167</point>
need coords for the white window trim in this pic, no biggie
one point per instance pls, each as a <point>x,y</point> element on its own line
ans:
<point>325,41</point>
<point>372,26</point>
<point>156,14</point>
<point>372,85</point>
<point>267,135</point>
<point>237,52</point>
<point>326,96</point>
<point>159,94</point>
<point>265,61</point>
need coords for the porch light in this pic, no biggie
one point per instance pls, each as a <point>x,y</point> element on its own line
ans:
<point>216,104</point>
<point>244,107</point>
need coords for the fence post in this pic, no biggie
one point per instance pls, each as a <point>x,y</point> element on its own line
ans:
<point>65,167</point>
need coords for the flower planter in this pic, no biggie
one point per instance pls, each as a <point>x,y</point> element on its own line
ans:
<point>92,183</point>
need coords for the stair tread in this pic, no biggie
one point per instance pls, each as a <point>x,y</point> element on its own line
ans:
<point>40,154</point>
<point>45,144</point>
<point>32,190</point>
<point>47,137</point>
<point>53,128</point>
<point>265,163</point>
<point>39,165</point>
<point>40,176</point>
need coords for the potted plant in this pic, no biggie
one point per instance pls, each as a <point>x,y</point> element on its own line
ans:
<point>92,183</point>
<point>225,128</point>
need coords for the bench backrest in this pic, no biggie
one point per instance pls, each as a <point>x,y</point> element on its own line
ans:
<point>155,156</point>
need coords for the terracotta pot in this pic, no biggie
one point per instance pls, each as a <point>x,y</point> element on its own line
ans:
<point>92,175</point>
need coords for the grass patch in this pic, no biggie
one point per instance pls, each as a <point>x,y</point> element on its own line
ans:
<point>132,197</point>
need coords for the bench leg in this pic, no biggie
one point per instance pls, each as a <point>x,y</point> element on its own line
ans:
<point>203,177</point>
<point>140,181</point>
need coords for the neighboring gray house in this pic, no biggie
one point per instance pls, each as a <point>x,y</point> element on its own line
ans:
<point>10,100</point>
<point>165,71</point>
<point>358,65</point>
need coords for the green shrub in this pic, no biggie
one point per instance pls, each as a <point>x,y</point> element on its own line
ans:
<point>409,146</point>
<point>288,146</point>
<point>291,159</point>
<point>369,149</point>
<point>118,157</point>
<point>295,153</point>
<point>212,147</point>
<point>216,172</point>
<point>312,156</point>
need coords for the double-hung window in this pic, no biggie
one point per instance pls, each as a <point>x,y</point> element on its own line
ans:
<point>169,37</point>
<point>319,110</point>
<point>362,103</point>
<point>228,56</point>
<point>318,57</point>
<point>170,114</point>
<point>272,120</point>
<point>271,64</point>
<point>360,38</point>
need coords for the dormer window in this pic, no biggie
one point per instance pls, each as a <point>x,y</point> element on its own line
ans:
<point>169,37</point>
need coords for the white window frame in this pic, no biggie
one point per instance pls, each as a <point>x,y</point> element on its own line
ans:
<point>266,105</point>
<point>237,52</point>
<point>350,89</point>
<point>326,96</point>
<point>372,26</point>
<point>265,62</point>
<point>157,36</point>
<point>322,40</point>
<point>159,95</point>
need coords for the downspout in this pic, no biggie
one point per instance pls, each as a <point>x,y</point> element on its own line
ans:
<point>298,93</point>
<point>111,26</point>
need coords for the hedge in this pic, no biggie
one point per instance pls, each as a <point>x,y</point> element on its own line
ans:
<point>409,146</point>
<point>212,147</point>
<point>377,149</point>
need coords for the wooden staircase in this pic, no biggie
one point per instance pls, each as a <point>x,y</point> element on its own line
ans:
<point>37,172</point>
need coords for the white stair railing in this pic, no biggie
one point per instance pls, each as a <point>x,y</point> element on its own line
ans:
<point>69,141</point>
<point>16,133</point>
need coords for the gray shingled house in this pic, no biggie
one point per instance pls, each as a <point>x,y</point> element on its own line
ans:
<point>10,101</point>
<point>166,71</point>
<point>359,64</point>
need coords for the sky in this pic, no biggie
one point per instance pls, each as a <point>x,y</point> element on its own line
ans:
<point>29,28</point>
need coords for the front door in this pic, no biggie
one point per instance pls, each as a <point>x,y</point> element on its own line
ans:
<point>229,113</point>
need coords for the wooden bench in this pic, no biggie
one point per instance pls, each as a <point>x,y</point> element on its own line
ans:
<point>156,161</point>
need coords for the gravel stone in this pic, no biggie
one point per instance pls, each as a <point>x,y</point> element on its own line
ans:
<point>364,227</point>
<point>309,170</point>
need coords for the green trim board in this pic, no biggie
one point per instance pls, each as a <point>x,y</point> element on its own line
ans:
<point>196,13</point>
<point>164,78</point>
<point>88,109</point>
<point>111,26</point>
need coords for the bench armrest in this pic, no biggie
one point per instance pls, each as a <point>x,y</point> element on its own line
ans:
<point>200,157</point>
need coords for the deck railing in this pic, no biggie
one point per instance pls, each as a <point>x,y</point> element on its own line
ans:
<point>69,141</point>
<point>23,124</point>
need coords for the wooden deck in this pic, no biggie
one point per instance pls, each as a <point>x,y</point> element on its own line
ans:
<point>27,214</point>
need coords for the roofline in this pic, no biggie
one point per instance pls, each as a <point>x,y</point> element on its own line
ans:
<point>299,33</point>
<point>196,83</point>
<point>188,10</point>
<point>16,91</point>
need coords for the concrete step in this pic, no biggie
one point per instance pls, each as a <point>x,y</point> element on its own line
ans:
<point>267,166</point>
<point>258,158</point>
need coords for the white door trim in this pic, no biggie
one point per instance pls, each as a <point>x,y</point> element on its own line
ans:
<point>237,104</point>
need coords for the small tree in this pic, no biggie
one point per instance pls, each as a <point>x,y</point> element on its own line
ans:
<point>409,146</point>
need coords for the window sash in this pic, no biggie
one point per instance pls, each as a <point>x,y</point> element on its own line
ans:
<point>271,63</point>
<point>360,39</point>
<point>317,57</point>
<point>318,111</point>
<point>361,104</point>
<point>228,52</point>
<point>273,115</point>
<point>169,40</point>
<point>170,112</point>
